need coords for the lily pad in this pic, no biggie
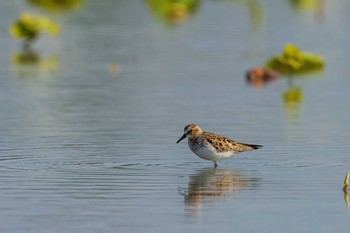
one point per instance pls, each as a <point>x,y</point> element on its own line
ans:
<point>293,62</point>
<point>28,27</point>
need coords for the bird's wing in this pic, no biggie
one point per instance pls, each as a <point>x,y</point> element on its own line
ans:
<point>224,144</point>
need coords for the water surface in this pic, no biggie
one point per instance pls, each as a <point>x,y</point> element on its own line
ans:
<point>84,149</point>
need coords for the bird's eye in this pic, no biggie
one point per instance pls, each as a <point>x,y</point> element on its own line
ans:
<point>190,131</point>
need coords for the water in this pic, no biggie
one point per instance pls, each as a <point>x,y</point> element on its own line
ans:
<point>84,149</point>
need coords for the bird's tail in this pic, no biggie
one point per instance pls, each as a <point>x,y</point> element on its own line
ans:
<point>253,146</point>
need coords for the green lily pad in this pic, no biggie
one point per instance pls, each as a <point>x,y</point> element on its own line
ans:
<point>293,62</point>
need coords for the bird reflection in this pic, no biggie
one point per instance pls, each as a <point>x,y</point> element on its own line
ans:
<point>212,183</point>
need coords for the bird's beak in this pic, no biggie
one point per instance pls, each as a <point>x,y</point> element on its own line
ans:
<point>183,136</point>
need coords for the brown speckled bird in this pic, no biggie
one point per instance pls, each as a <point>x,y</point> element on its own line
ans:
<point>211,146</point>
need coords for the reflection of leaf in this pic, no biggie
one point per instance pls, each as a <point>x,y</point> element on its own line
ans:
<point>293,61</point>
<point>30,64</point>
<point>346,189</point>
<point>54,5</point>
<point>292,110</point>
<point>294,94</point>
<point>255,9</point>
<point>173,11</point>
<point>346,198</point>
<point>292,99</point>
<point>256,13</point>
<point>29,57</point>
<point>305,5</point>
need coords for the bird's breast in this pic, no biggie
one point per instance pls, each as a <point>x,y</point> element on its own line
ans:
<point>207,151</point>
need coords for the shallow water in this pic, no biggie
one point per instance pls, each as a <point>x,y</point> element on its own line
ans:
<point>84,148</point>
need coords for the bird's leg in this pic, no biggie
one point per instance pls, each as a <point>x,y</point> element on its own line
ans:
<point>215,164</point>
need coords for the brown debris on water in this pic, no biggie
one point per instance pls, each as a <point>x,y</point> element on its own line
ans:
<point>260,76</point>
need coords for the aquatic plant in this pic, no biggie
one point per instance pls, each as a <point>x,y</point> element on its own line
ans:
<point>173,11</point>
<point>346,190</point>
<point>293,61</point>
<point>346,182</point>
<point>305,5</point>
<point>28,27</point>
<point>55,5</point>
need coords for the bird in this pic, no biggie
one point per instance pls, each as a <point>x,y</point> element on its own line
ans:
<point>211,146</point>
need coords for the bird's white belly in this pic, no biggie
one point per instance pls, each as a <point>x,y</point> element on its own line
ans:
<point>210,153</point>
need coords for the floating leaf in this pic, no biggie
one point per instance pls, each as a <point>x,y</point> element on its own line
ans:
<point>55,5</point>
<point>346,182</point>
<point>293,61</point>
<point>173,11</point>
<point>28,27</point>
<point>305,5</point>
<point>346,189</point>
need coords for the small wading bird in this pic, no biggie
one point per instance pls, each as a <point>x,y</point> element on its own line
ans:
<point>211,146</point>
